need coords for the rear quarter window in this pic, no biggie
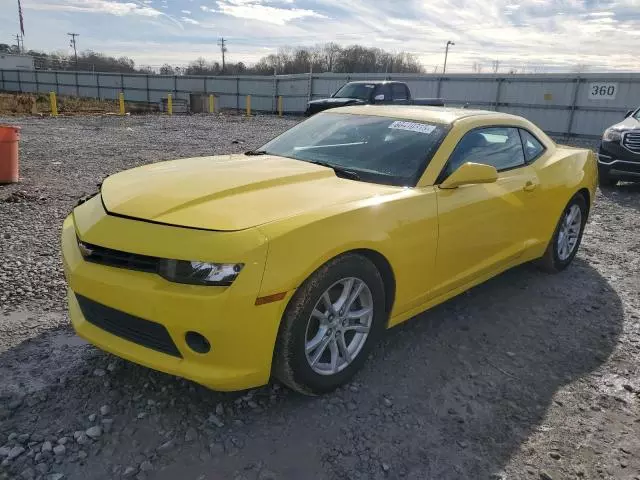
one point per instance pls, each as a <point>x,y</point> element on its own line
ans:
<point>532,147</point>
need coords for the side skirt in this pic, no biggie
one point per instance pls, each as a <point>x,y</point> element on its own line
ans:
<point>403,317</point>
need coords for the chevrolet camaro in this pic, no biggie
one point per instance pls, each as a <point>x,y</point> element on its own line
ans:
<point>292,259</point>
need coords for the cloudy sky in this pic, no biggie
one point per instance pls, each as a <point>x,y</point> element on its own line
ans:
<point>543,35</point>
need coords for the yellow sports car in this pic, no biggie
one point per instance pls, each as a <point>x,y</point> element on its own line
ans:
<point>292,259</point>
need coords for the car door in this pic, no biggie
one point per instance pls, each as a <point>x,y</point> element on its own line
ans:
<point>385,90</point>
<point>483,227</point>
<point>400,93</point>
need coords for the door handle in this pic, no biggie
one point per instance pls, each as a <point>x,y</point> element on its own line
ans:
<point>529,186</point>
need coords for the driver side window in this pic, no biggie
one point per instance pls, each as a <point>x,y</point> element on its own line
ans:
<point>499,147</point>
<point>384,90</point>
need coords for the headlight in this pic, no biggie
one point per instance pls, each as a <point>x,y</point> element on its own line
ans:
<point>199,273</point>
<point>611,135</point>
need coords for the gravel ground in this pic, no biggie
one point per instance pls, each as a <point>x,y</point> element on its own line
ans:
<point>527,376</point>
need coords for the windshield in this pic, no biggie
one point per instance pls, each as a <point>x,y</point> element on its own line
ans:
<point>355,90</point>
<point>378,149</point>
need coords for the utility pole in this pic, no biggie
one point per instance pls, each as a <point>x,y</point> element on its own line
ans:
<point>223,49</point>
<point>72,43</point>
<point>446,54</point>
<point>18,43</point>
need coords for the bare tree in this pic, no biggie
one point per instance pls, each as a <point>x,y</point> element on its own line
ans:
<point>331,52</point>
<point>201,67</point>
<point>166,69</point>
<point>332,58</point>
<point>329,57</point>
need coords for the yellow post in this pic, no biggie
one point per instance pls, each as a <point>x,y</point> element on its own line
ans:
<point>280,106</point>
<point>248,105</point>
<point>170,104</point>
<point>212,104</point>
<point>121,96</point>
<point>54,104</point>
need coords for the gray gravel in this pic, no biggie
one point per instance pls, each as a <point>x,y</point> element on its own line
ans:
<point>527,376</point>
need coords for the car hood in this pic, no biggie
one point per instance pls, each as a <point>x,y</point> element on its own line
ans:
<point>231,192</point>
<point>629,123</point>
<point>315,106</point>
<point>336,102</point>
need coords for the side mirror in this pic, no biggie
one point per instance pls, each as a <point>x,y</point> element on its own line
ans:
<point>379,97</point>
<point>629,113</point>
<point>470,173</point>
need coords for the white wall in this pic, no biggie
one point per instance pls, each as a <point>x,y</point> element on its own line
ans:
<point>561,104</point>
<point>16,62</point>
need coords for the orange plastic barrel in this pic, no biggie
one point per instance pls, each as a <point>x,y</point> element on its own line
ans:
<point>9,138</point>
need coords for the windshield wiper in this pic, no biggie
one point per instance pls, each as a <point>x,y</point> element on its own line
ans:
<point>256,152</point>
<point>340,171</point>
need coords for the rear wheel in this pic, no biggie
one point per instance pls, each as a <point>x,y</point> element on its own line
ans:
<point>330,325</point>
<point>566,239</point>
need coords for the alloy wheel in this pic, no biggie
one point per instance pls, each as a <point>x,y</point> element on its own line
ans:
<point>569,232</point>
<point>339,325</point>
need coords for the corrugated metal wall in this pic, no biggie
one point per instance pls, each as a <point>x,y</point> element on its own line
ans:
<point>580,105</point>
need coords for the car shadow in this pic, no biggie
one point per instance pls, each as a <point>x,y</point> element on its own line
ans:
<point>451,394</point>
<point>625,194</point>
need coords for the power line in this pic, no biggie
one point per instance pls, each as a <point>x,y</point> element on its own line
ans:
<point>223,49</point>
<point>73,44</point>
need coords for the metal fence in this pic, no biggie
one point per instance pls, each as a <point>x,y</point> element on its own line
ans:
<point>561,104</point>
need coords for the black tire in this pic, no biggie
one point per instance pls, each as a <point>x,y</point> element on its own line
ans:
<point>605,180</point>
<point>551,261</point>
<point>291,366</point>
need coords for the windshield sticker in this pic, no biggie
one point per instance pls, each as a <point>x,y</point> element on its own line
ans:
<point>413,127</point>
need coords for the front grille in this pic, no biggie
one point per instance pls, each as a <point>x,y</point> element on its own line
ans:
<point>631,141</point>
<point>117,258</point>
<point>143,332</point>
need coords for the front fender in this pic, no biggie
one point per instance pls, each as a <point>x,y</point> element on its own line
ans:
<point>401,227</point>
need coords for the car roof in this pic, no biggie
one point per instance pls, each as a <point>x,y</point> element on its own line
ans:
<point>441,115</point>
<point>374,82</point>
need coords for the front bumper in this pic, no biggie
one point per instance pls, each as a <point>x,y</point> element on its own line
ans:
<point>616,161</point>
<point>242,335</point>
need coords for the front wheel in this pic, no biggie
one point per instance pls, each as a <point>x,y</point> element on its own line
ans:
<point>566,239</point>
<point>330,325</point>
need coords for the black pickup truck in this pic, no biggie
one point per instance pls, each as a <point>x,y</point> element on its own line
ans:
<point>375,92</point>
